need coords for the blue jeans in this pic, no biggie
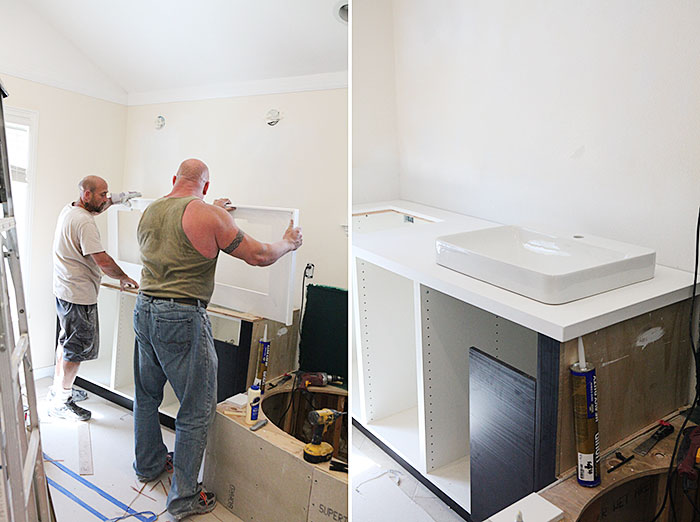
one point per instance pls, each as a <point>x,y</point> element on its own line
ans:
<point>174,343</point>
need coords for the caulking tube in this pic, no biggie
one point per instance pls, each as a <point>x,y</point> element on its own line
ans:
<point>585,400</point>
<point>264,359</point>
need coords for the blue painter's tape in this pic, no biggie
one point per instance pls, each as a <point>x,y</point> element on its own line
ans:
<point>100,492</point>
<point>75,499</point>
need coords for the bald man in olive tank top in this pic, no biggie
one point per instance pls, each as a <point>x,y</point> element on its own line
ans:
<point>180,237</point>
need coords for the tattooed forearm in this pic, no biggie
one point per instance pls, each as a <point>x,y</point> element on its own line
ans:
<point>234,244</point>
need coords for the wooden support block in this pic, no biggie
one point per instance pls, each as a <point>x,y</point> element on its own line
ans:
<point>338,426</point>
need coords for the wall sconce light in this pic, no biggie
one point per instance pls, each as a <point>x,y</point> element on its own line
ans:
<point>341,11</point>
<point>160,122</point>
<point>273,117</point>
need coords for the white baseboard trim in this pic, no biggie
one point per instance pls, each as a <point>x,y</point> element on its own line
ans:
<point>40,373</point>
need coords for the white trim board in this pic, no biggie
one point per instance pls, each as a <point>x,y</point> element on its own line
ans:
<point>311,82</point>
<point>272,294</point>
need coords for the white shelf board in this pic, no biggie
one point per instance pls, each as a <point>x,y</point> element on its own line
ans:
<point>410,252</point>
<point>170,409</point>
<point>400,433</point>
<point>98,371</point>
<point>169,406</point>
<point>453,479</point>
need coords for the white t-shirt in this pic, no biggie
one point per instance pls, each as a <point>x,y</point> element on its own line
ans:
<point>76,276</point>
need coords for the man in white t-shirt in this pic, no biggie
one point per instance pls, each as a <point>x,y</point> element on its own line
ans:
<point>78,262</point>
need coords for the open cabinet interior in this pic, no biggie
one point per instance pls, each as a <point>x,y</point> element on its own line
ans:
<point>387,357</point>
<point>264,291</point>
<point>413,361</point>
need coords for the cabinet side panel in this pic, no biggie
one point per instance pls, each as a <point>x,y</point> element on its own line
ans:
<point>387,340</point>
<point>445,336</point>
<point>548,354</point>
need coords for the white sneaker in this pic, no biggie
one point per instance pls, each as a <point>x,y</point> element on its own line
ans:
<point>69,410</point>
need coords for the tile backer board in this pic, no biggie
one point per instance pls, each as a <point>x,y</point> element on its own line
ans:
<point>328,502</point>
<point>264,291</point>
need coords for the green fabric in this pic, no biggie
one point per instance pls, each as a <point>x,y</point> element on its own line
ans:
<point>324,331</point>
<point>172,267</point>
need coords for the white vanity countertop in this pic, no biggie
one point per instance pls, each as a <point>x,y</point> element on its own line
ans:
<point>410,252</point>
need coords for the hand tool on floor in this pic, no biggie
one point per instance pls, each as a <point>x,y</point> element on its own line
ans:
<point>339,465</point>
<point>281,380</point>
<point>317,450</point>
<point>318,379</point>
<point>664,430</point>
<point>622,459</point>
<point>258,425</point>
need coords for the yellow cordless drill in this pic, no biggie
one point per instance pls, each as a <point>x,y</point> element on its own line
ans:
<point>317,450</point>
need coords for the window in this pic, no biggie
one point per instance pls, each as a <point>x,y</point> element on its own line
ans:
<point>21,129</point>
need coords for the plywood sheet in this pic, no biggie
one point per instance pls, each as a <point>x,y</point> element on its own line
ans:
<point>643,368</point>
<point>329,499</point>
<point>631,493</point>
<point>283,347</point>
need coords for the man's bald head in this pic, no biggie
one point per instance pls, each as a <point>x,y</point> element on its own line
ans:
<point>193,171</point>
<point>93,193</point>
<point>192,175</point>
<point>92,184</point>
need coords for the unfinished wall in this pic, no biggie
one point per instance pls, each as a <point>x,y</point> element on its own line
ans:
<point>375,161</point>
<point>582,116</point>
<point>78,135</point>
<point>301,162</point>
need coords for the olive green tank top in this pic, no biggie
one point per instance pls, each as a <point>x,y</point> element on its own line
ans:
<point>172,267</point>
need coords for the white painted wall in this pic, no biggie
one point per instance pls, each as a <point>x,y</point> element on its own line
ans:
<point>576,115</point>
<point>375,160</point>
<point>78,135</point>
<point>299,163</point>
<point>32,49</point>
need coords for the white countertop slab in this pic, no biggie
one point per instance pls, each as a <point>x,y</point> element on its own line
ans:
<point>410,251</point>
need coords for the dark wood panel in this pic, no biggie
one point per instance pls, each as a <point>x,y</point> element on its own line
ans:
<point>502,434</point>
<point>546,411</point>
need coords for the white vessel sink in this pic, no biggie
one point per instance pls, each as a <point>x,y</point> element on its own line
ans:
<point>554,269</point>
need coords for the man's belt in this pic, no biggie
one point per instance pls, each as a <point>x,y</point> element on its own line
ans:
<point>181,300</point>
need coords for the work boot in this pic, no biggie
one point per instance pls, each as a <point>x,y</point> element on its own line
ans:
<point>69,410</point>
<point>206,502</point>
<point>168,467</point>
